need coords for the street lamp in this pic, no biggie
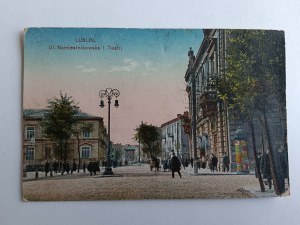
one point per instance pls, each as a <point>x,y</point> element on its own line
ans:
<point>109,94</point>
<point>194,105</point>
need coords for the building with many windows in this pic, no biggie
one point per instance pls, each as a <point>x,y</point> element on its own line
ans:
<point>216,131</point>
<point>174,139</point>
<point>88,143</point>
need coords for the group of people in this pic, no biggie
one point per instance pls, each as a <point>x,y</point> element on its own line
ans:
<point>280,164</point>
<point>209,162</point>
<point>67,167</point>
<point>174,164</point>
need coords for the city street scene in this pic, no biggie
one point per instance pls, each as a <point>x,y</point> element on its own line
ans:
<point>133,114</point>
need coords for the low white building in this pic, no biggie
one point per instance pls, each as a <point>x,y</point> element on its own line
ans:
<point>174,139</point>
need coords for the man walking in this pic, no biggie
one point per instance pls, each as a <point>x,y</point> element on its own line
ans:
<point>175,165</point>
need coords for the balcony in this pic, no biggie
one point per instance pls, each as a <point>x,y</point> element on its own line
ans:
<point>208,103</point>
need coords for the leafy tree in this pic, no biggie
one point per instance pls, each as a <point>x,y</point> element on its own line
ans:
<point>117,153</point>
<point>254,78</point>
<point>59,121</point>
<point>149,137</point>
<point>77,130</point>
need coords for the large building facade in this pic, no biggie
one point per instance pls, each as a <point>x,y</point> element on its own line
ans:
<point>89,144</point>
<point>216,131</point>
<point>174,139</point>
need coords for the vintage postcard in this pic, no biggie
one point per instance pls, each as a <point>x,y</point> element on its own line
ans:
<point>133,114</point>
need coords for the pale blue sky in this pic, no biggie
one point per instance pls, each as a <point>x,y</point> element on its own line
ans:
<point>149,72</point>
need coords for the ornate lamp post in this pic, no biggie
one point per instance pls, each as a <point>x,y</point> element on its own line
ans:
<point>109,94</point>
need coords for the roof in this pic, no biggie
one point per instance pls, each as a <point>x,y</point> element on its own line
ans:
<point>41,113</point>
<point>179,117</point>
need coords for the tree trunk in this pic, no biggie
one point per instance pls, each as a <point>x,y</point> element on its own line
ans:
<point>271,155</point>
<point>65,151</point>
<point>61,150</point>
<point>258,172</point>
<point>78,149</point>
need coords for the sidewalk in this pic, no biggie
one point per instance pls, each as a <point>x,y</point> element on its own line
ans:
<point>190,170</point>
<point>41,175</point>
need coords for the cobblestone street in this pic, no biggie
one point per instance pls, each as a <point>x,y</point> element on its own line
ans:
<point>138,182</point>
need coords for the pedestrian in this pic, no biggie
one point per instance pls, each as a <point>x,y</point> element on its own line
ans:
<point>282,170</point>
<point>60,166</point>
<point>214,161</point>
<point>47,168</point>
<point>225,163</point>
<point>90,167</point>
<point>55,166</point>
<point>186,162</point>
<point>192,162</point>
<point>266,169</point>
<point>175,165</point>
<point>63,167</point>
<point>84,166</point>
<point>68,167</point>
<point>74,167</point>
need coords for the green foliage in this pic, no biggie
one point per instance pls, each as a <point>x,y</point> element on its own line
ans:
<point>149,136</point>
<point>255,70</point>
<point>59,121</point>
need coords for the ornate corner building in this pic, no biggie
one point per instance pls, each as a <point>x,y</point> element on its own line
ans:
<point>216,132</point>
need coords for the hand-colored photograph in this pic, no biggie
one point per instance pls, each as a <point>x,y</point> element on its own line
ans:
<point>136,114</point>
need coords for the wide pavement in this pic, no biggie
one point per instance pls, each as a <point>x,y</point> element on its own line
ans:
<point>138,182</point>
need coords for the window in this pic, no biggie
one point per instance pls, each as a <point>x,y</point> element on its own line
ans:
<point>86,152</point>
<point>29,153</point>
<point>30,132</point>
<point>86,134</point>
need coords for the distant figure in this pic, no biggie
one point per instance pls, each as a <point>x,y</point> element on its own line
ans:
<point>55,166</point>
<point>266,169</point>
<point>84,166</point>
<point>225,163</point>
<point>90,167</point>
<point>63,167</point>
<point>175,165</point>
<point>283,173</point>
<point>47,167</point>
<point>74,167</point>
<point>68,167</point>
<point>214,162</point>
<point>192,162</point>
<point>186,162</point>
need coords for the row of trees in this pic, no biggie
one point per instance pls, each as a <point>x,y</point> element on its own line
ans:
<point>61,122</point>
<point>254,83</point>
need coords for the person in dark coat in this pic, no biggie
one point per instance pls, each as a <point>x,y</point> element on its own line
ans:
<point>175,165</point>
<point>225,163</point>
<point>84,166</point>
<point>47,168</point>
<point>68,167</point>
<point>63,167</point>
<point>192,162</point>
<point>266,169</point>
<point>214,162</point>
<point>90,167</point>
<point>55,166</point>
<point>74,166</point>
<point>282,168</point>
